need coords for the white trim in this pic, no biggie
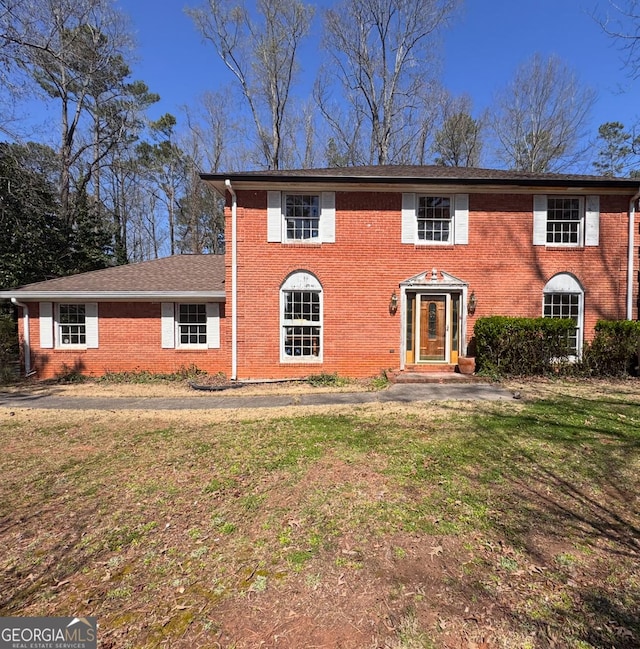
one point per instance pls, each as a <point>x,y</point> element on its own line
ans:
<point>275,232</point>
<point>568,284</point>
<point>461,219</point>
<point>213,325</point>
<point>592,221</point>
<point>307,282</point>
<point>409,219</point>
<point>167,325</point>
<point>91,324</point>
<point>81,297</point>
<point>46,324</point>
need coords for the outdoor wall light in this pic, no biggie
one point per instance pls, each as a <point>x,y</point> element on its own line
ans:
<point>393,303</point>
<point>473,303</point>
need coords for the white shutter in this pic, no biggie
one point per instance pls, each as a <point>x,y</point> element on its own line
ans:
<point>274,217</point>
<point>213,325</point>
<point>328,217</point>
<point>91,324</point>
<point>539,219</point>
<point>592,221</point>
<point>461,219</point>
<point>409,224</point>
<point>46,325</point>
<point>168,327</point>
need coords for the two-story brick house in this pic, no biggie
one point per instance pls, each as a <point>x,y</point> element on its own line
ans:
<point>356,270</point>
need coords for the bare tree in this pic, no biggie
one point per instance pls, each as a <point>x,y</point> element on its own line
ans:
<point>540,117</point>
<point>458,142</point>
<point>622,23</point>
<point>262,53</point>
<point>379,56</point>
<point>66,48</point>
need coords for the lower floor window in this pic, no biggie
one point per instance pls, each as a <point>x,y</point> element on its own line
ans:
<point>72,324</point>
<point>192,324</point>
<point>301,318</point>
<point>565,305</point>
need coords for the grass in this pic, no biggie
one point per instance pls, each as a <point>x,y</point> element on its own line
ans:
<point>514,522</point>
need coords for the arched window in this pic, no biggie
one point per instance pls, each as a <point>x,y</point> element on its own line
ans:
<point>301,318</point>
<point>564,298</point>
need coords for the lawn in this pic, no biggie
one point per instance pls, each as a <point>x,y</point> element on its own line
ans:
<point>440,525</point>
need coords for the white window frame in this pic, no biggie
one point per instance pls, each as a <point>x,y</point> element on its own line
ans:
<point>285,217</point>
<point>50,326</point>
<point>451,219</point>
<point>170,326</point>
<point>277,217</point>
<point>301,282</point>
<point>566,285</point>
<point>459,219</point>
<point>588,221</point>
<point>179,326</point>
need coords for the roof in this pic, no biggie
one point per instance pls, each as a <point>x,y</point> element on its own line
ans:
<point>180,276</point>
<point>420,175</point>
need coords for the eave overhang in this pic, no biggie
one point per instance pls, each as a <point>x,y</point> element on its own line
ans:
<point>115,296</point>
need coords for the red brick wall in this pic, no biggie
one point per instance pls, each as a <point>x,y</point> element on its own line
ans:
<point>129,340</point>
<point>366,263</point>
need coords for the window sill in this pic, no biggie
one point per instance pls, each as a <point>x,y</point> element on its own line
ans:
<point>433,244</point>
<point>301,361</point>
<point>301,244</point>
<point>71,348</point>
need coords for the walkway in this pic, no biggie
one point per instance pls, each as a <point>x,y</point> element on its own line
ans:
<point>397,393</point>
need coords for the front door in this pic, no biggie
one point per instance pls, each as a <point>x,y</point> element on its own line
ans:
<point>432,328</point>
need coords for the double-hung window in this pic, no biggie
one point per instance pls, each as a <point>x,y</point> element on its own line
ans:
<point>192,325</point>
<point>435,219</point>
<point>301,318</point>
<point>301,217</point>
<point>68,325</point>
<point>566,221</point>
<point>72,328</point>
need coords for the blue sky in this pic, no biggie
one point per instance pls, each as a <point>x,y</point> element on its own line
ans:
<point>480,54</point>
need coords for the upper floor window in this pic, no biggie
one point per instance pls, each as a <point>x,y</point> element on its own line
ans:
<point>566,220</point>
<point>301,217</point>
<point>434,219</point>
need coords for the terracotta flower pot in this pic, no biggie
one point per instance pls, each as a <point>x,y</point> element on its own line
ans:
<point>466,364</point>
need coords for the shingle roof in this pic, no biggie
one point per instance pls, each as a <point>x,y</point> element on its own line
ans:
<point>396,174</point>
<point>180,274</point>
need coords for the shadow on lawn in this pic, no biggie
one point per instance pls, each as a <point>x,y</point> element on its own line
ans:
<point>570,479</point>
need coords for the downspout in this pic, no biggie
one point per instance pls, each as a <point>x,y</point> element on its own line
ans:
<point>27,339</point>
<point>630,259</point>
<point>234,281</point>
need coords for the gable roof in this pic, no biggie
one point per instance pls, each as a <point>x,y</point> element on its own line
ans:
<point>197,277</point>
<point>419,175</point>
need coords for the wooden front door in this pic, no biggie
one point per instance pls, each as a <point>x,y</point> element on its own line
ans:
<point>432,326</point>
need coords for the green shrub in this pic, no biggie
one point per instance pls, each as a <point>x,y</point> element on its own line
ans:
<point>507,346</point>
<point>9,349</point>
<point>613,351</point>
<point>326,379</point>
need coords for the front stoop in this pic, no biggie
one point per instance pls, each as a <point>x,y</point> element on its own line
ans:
<point>434,374</point>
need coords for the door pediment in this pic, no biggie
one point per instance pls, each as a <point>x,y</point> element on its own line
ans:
<point>434,279</point>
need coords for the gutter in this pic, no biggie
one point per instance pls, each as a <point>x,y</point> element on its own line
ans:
<point>630,259</point>
<point>27,338</point>
<point>234,281</point>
